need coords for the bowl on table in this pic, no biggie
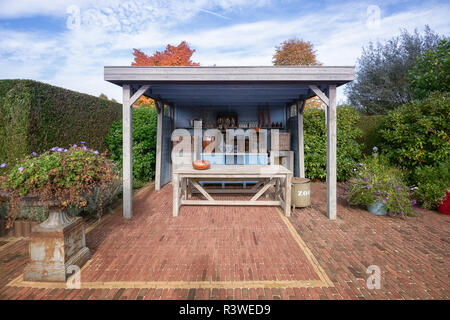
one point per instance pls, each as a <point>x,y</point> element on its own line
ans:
<point>201,164</point>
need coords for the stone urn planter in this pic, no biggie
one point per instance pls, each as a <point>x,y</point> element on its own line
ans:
<point>55,244</point>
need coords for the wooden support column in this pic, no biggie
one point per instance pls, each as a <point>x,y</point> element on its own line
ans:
<point>331,153</point>
<point>127,145</point>
<point>160,110</point>
<point>127,149</point>
<point>330,114</point>
<point>301,144</point>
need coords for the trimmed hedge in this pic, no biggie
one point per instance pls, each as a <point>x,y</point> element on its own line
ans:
<point>35,117</point>
<point>371,137</point>
<point>144,144</point>
<point>417,134</point>
<point>348,148</point>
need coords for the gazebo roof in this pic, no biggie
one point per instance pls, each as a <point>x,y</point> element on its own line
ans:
<point>242,86</point>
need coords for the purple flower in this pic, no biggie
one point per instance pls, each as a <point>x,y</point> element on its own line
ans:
<point>361,164</point>
<point>34,154</point>
<point>366,179</point>
<point>54,148</point>
<point>3,165</point>
<point>376,192</point>
<point>398,188</point>
<point>387,198</point>
<point>114,164</point>
<point>384,201</point>
<point>65,150</point>
<point>369,186</point>
<point>60,149</point>
<point>74,146</point>
<point>414,202</point>
<point>84,148</point>
<point>390,212</point>
<point>96,152</point>
<point>20,169</point>
<point>375,149</point>
<point>83,142</point>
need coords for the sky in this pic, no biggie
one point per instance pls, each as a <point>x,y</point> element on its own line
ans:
<point>67,42</point>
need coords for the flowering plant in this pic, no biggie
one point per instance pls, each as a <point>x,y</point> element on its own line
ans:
<point>63,174</point>
<point>375,181</point>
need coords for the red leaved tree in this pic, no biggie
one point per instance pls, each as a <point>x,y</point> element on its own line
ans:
<point>172,56</point>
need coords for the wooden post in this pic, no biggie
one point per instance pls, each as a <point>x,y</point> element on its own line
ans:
<point>331,153</point>
<point>127,149</point>
<point>301,145</point>
<point>160,110</point>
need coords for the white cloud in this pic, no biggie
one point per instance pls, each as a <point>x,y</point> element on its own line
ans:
<point>109,30</point>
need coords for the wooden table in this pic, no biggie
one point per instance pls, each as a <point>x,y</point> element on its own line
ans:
<point>185,179</point>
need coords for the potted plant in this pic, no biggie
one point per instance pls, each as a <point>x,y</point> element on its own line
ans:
<point>62,181</point>
<point>380,188</point>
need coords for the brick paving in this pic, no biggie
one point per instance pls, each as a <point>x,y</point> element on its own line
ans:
<point>254,249</point>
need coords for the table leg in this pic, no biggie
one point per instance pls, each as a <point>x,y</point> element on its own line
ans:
<point>176,194</point>
<point>287,197</point>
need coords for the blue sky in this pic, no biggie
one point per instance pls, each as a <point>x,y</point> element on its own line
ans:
<point>67,43</point>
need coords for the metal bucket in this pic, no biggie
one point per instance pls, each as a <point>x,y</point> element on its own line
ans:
<point>301,193</point>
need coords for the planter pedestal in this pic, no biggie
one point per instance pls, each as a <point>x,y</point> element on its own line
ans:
<point>55,245</point>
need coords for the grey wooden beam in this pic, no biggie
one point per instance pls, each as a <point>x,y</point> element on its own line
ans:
<point>160,110</point>
<point>301,144</point>
<point>139,93</point>
<point>127,149</point>
<point>320,94</point>
<point>321,74</point>
<point>331,153</point>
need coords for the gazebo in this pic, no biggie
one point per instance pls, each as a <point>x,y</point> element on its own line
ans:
<point>183,91</point>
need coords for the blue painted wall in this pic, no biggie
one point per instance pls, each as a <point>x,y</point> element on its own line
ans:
<point>209,114</point>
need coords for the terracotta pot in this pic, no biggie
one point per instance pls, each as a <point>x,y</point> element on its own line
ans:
<point>26,228</point>
<point>18,228</point>
<point>2,228</point>
<point>444,208</point>
<point>201,164</point>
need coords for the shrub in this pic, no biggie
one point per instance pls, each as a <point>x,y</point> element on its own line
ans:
<point>375,180</point>
<point>348,149</point>
<point>35,116</point>
<point>66,175</point>
<point>432,184</point>
<point>417,134</point>
<point>144,144</point>
<point>432,71</point>
<point>371,137</point>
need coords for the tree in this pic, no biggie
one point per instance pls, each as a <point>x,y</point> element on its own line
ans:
<point>432,71</point>
<point>382,77</point>
<point>103,96</point>
<point>296,52</point>
<point>172,56</point>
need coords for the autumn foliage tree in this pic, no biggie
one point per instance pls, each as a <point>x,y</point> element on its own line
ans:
<point>172,56</point>
<point>295,52</point>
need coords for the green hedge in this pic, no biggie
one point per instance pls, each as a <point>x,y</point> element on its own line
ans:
<point>144,144</point>
<point>371,137</point>
<point>417,134</point>
<point>348,148</point>
<point>35,117</point>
